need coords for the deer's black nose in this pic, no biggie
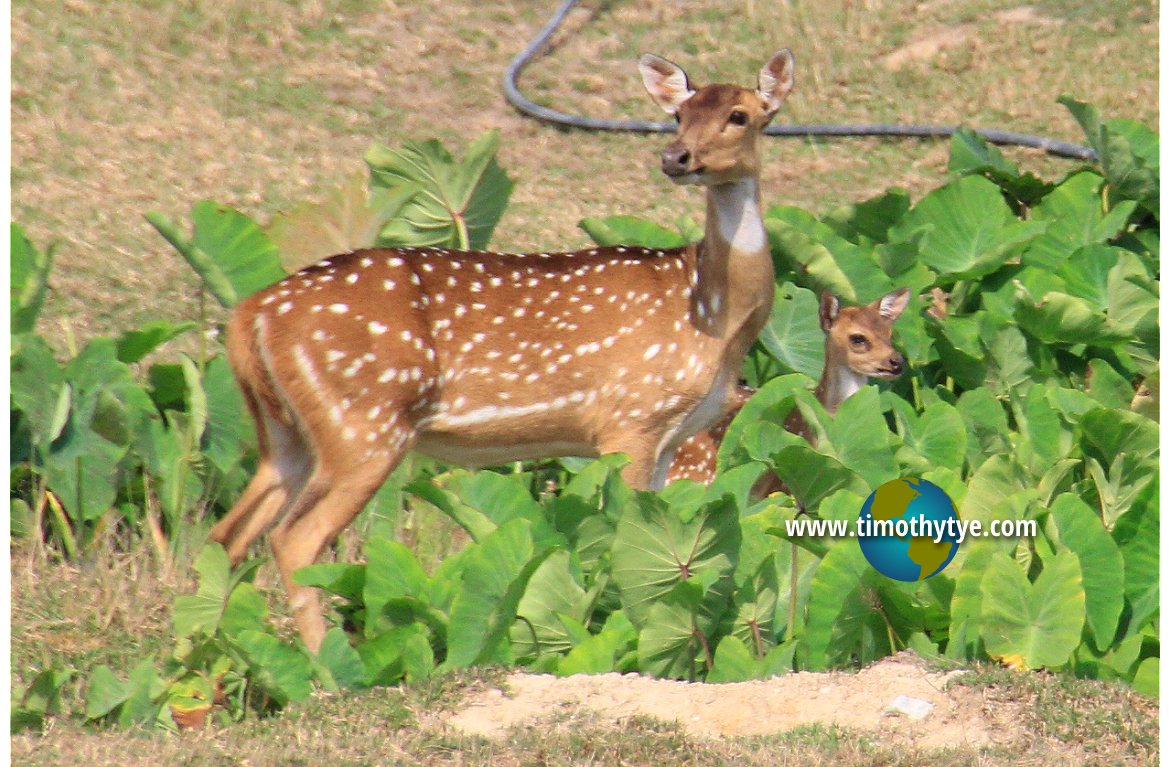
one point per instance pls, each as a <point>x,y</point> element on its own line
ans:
<point>896,363</point>
<point>675,160</point>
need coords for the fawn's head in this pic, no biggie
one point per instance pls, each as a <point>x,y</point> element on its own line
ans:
<point>719,124</point>
<point>859,337</point>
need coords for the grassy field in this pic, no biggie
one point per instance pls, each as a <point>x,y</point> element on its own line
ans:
<point>120,108</point>
<point>123,107</point>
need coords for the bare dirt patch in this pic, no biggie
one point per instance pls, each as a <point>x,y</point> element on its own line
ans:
<point>855,701</point>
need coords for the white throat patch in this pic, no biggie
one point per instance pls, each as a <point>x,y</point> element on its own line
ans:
<point>737,213</point>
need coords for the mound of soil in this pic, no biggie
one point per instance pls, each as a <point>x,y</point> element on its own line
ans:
<point>859,701</point>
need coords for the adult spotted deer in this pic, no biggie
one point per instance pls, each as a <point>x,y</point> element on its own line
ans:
<point>857,347</point>
<point>485,358</point>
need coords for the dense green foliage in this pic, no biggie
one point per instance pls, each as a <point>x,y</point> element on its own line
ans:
<point>1033,397</point>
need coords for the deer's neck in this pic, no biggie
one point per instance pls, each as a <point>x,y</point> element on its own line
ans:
<point>838,383</point>
<point>733,267</point>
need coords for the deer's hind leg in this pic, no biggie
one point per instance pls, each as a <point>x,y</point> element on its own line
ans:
<point>335,492</point>
<point>284,467</point>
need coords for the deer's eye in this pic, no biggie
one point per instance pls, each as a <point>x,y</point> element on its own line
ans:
<point>738,117</point>
<point>858,341</point>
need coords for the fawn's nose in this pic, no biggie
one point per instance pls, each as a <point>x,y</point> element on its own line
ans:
<point>896,363</point>
<point>675,160</point>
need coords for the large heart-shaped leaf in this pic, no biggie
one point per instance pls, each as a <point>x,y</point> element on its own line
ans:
<point>967,229</point>
<point>495,575</point>
<point>970,154</point>
<point>1035,625</point>
<point>1073,212</point>
<point>1102,567</point>
<point>228,250</point>
<point>552,592</point>
<point>844,609</point>
<point>631,230</point>
<point>802,243</point>
<point>793,332</point>
<point>656,548</point>
<point>1128,152</point>
<point>458,203</point>
<point>29,271</point>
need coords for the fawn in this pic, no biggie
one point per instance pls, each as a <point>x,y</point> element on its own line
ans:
<point>857,348</point>
<point>482,358</point>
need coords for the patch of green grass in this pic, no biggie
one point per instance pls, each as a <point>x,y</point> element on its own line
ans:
<point>1103,718</point>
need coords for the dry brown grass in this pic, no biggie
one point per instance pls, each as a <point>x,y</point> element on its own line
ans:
<point>119,108</point>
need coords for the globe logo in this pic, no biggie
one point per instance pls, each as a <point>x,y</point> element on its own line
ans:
<point>908,529</point>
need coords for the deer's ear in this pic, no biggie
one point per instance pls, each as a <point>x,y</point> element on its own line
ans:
<point>891,305</point>
<point>777,78</point>
<point>830,308</point>
<point>665,81</point>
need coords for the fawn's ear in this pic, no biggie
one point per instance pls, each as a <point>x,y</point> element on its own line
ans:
<point>830,308</point>
<point>776,80</point>
<point>665,81</point>
<point>891,305</point>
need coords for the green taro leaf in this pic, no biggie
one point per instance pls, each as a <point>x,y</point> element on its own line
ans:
<point>201,611</point>
<point>1073,212</point>
<point>671,644</point>
<point>656,548</point>
<point>1146,678</point>
<point>392,573</point>
<point>341,661</point>
<point>104,693</point>
<point>29,273</point>
<point>1085,273</point>
<point>228,433</point>
<point>1128,152</point>
<point>459,202</point>
<point>630,230</point>
<point>246,609</point>
<point>858,435</point>
<point>803,244</point>
<point>1107,386</point>
<point>872,218</point>
<point>403,652</point>
<point>770,405</point>
<point>1061,318</point>
<point>228,250</point>
<point>552,592</point>
<point>495,575</point>
<point>844,613</point>
<point>1112,431</point>
<point>938,435</point>
<point>1037,625</point>
<point>135,701</point>
<point>282,671</point>
<point>991,490</point>
<point>812,476</point>
<point>1102,567</point>
<point>967,229</point>
<point>967,598</point>
<point>42,698</point>
<point>135,344</point>
<point>598,653</point>
<point>339,578</point>
<point>39,390</point>
<point>734,662</point>
<point>793,332</point>
<point>970,154</point>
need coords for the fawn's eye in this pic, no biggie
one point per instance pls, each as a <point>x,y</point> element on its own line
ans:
<point>738,117</point>
<point>859,341</point>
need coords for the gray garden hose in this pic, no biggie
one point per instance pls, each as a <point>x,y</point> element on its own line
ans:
<point>526,106</point>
